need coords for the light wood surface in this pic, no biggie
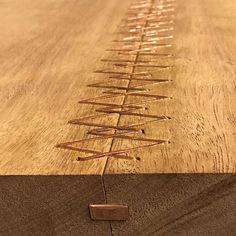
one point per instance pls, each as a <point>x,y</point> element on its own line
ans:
<point>50,205</point>
<point>48,52</point>
<point>203,112</point>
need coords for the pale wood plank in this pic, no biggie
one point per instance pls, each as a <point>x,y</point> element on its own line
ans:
<point>202,128</point>
<point>48,52</point>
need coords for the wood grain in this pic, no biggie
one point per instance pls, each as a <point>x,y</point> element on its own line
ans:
<point>175,204</point>
<point>48,52</point>
<point>50,205</point>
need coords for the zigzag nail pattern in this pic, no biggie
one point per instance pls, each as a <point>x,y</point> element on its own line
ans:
<point>145,39</point>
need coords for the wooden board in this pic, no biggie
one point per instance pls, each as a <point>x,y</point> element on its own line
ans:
<point>203,121</point>
<point>46,63</point>
<point>50,205</point>
<point>175,204</point>
<point>48,53</point>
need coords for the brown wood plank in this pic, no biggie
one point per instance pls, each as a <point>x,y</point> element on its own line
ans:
<point>175,204</point>
<point>50,205</point>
